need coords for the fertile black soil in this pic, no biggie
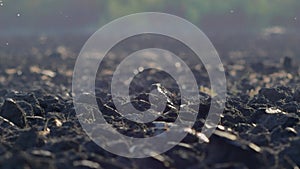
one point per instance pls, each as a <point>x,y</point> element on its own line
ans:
<point>259,128</point>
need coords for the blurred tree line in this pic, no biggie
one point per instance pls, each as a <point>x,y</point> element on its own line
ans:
<point>263,11</point>
<point>95,13</point>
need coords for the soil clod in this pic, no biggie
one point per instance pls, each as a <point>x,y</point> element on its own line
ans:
<point>14,113</point>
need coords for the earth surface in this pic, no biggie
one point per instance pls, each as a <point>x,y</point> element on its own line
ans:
<point>259,128</point>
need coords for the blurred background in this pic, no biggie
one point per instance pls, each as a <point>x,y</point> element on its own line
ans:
<point>47,17</point>
<point>236,23</point>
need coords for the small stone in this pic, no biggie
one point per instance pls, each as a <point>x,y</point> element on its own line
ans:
<point>226,135</point>
<point>168,96</point>
<point>58,123</point>
<point>273,110</point>
<point>14,113</point>
<point>86,164</point>
<point>201,137</point>
<point>48,73</point>
<point>254,147</point>
<point>44,132</point>
<point>292,130</point>
<point>42,153</point>
<point>55,122</point>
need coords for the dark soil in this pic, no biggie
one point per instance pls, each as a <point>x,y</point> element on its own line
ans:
<point>260,127</point>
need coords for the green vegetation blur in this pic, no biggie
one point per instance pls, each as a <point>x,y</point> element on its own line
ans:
<point>94,13</point>
<point>263,11</point>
